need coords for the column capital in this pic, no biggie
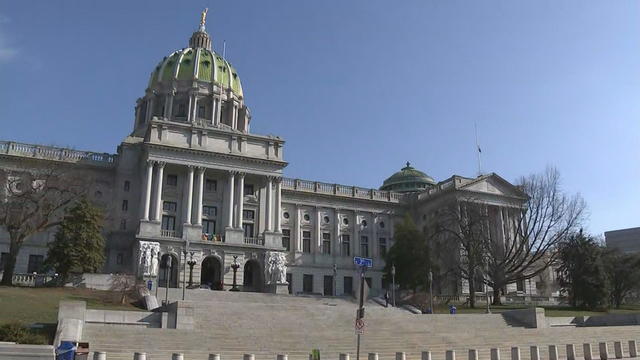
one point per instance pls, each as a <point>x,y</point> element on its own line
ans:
<point>277,179</point>
<point>200,169</point>
<point>191,168</point>
<point>161,164</point>
<point>233,172</point>
<point>151,162</point>
<point>241,174</point>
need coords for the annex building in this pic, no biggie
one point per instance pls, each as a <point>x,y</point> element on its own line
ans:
<point>191,182</point>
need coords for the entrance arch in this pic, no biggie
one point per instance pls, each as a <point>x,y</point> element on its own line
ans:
<point>170,272</point>
<point>252,276</point>
<point>211,273</point>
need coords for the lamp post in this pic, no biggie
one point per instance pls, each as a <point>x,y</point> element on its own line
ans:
<point>431,291</point>
<point>167,276</point>
<point>393,284</point>
<point>184,271</point>
<point>335,277</point>
<point>235,267</point>
<point>191,264</point>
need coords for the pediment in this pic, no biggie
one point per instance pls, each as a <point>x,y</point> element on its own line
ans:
<point>493,184</point>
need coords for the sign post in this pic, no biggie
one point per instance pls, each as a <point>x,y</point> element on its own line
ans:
<point>363,263</point>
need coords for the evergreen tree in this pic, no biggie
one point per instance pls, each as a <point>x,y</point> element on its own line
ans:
<point>410,255</point>
<point>79,245</point>
<point>582,271</point>
<point>623,271</point>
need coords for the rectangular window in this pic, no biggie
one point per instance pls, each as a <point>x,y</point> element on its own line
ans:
<point>208,226</point>
<point>169,206</point>
<point>120,259</point>
<point>125,205</point>
<point>364,246</point>
<point>248,214</point>
<point>123,224</point>
<point>368,281</point>
<point>4,257</point>
<point>168,222</point>
<point>328,285</point>
<point>326,243</point>
<point>286,239</point>
<point>519,285</point>
<point>306,241</point>
<point>346,245</point>
<point>248,189</point>
<point>383,247</point>
<point>35,263</point>
<point>210,211</point>
<point>127,185</point>
<point>248,230</point>
<point>172,180</point>
<point>307,283</point>
<point>211,185</point>
<point>182,109</point>
<point>348,285</point>
<point>201,111</point>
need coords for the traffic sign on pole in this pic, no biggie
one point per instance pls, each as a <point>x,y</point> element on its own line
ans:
<point>360,325</point>
<point>364,262</point>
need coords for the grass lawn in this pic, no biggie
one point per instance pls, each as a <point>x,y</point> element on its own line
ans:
<point>40,305</point>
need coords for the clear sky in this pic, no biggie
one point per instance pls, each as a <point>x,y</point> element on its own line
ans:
<point>359,87</point>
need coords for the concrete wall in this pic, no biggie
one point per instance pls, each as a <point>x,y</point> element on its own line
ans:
<point>26,352</point>
<point>532,317</point>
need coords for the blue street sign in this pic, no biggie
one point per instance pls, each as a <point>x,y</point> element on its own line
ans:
<point>360,261</point>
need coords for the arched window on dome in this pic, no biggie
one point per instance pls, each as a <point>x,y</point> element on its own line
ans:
<point>180,105</point>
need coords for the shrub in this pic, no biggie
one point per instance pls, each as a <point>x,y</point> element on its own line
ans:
<point>18,333</point>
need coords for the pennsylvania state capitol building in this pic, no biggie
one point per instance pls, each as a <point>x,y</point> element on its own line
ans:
<point>192,183</point>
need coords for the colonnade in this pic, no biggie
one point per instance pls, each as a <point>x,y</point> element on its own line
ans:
<point>234,193</point>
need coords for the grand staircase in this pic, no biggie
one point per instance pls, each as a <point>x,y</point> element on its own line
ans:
<point>233,324</point>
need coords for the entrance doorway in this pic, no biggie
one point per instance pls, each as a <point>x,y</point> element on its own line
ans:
<point>252,279</point>
<point>328,285</point>
<point>211,273</point>
<point>168,271</point>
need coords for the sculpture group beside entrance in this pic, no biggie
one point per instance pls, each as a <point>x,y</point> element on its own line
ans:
<point>148,258</point>
<point>275,271</point>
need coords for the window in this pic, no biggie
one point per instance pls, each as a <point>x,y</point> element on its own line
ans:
<point>211,185</point>
<point>208,226</point>
<point>201,111</point>
<point>123,224</point>
<point>248,229</point>
<point>346,245</point>
<point>4,257</point>
<point>182,110</point>
<point>326,219</point>
<point>348,285</point>
<point>168,222</point>
<point>363,223</point>
<point>364,246</point>
<point>381,224</point>
<point>248,214</point>
<point>519,285</point>
<point>172,180</point>
<point>286,239</point>
<point>306,241</point>
<point>210,211</point>
<point>35,263</point>
<point>125,205</point>
<point>383,246</point>
<point>345,221</point>
<point>306,217</point>
<point>368,281</point>
<point>307,283</point>
<point>120,259</point>
<point>169,206</point>
<point>248,189</point>
<point>326,243</point>
<point>285,215</point>
<point>127,185</point>
<point>328,285</point>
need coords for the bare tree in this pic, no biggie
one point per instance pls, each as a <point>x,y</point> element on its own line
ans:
<point>532,235</point>
<point>465,223</point>
<point>33,202</point>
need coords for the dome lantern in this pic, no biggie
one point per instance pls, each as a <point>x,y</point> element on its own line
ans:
<point>200,38</point>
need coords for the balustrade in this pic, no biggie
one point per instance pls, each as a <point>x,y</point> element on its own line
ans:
<point>168,233</point>
<point>254,241</point>
<point>55,153</point>
<point>340,190</point>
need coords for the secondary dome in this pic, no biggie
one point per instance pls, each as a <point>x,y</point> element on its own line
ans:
<point>408,179</point>
<point>198,62</point>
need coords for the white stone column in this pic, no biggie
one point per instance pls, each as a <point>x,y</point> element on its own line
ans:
<point>240,200</point>
<point>189,187</point>
<point>269,207</point>
<point>213,110</point>
<point>150,107</point>
<point>373,243</point>
<point>168,110</point>
<point>278,212</point>
<point>234,116</point>
<point>355,243</point>
<point>337,247</point>
<point>194,117</point>
<point>190,108</point>
<point>218,110</point>
<point>297,239</point>
<point>147,191</point>
<point>160,177</point>
<point>230,184</point>
<point>200,185</point>
<point>318,231</point>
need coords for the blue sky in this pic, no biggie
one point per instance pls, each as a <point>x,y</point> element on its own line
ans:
<point>359,87</point>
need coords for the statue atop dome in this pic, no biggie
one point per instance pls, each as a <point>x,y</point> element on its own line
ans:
<point>203,19</point>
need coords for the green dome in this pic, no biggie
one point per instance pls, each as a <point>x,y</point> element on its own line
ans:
<point>197,63</point>
<point>408,179</point>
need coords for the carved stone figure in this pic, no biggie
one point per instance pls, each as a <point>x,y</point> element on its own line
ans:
<point>148,254</point>
<point>275,267</point>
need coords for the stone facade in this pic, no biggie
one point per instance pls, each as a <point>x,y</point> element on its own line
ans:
<point>192,179</point>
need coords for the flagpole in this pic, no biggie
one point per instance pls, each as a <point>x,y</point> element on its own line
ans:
<point>478,150</point>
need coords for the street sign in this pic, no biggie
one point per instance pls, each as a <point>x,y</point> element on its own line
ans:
<point>360,325</point>
<point>360,261</point>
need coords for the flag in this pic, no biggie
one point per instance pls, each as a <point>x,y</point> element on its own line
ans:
<point>479,150</point>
